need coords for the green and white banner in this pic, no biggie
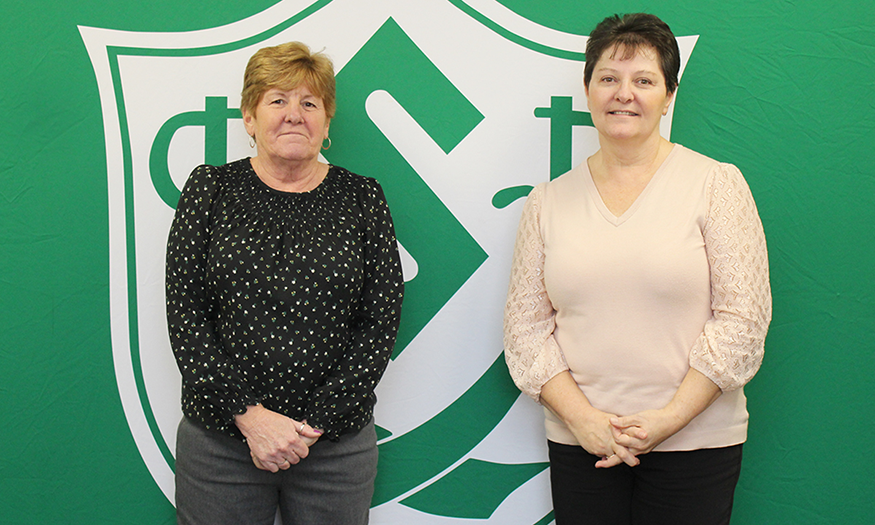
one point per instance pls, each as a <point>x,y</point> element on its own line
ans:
<point>458,108</point>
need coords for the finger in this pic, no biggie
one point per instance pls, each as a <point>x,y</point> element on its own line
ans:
<point>636,432</point>
<point>265,465</point>
<point>305,430</point>
<point>258,464</point>
<point>622,423</point>
<point>299,450</point>
<point>279,459</point>
<point>610,461</point>
<point>617,434</point>
<point>623,440</point>
<point>633,445</point>
<point>292,448</point>
<point>631,442</point>
<point>626,456</point>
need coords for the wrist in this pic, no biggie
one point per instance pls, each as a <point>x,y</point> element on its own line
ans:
<point>585,417</point>
<point>676,417</point>
<point>246,420</point>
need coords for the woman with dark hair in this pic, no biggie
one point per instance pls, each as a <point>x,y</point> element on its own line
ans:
<point>284,293</point>
<point>639,303</point>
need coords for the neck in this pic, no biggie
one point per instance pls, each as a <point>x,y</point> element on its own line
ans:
<point>295,177</point>
<point>619,163</point>
<point>628,154</point>
<point>620,175</point>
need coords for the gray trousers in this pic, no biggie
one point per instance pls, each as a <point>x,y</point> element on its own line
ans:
<point>217,483</point>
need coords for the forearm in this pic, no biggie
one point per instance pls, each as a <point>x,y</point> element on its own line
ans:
<point>695,394</point>
<point>590,426</point>
<point>644,431</point>
<point>346,394</point>
<point>562,396</point>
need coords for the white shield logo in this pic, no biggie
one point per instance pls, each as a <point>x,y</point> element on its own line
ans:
<point>458,108</point>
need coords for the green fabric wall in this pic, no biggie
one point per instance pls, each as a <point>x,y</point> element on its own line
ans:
<point>779,88</point>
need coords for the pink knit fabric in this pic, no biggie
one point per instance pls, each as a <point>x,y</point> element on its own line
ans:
<point>628,304</point>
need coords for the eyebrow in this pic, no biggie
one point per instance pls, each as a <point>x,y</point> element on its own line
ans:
<point>639,72</point>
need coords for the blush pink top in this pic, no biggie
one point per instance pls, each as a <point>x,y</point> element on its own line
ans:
<point>628,304</point>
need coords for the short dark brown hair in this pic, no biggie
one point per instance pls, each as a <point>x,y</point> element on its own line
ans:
<point>633,32</point>
<point>288,66</point>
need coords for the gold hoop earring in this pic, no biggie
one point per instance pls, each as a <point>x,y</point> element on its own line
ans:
<point>251,142</point>
<point>329,143</point>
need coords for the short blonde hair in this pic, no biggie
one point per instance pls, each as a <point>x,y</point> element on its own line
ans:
<point>288,66</point>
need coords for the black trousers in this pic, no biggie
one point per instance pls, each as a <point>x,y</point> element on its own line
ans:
<point>666,488</point>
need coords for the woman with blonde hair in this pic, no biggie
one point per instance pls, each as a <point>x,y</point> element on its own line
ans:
<point>284,292</point>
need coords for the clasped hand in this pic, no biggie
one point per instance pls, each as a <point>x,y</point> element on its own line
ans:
<point>621,439</point>
<point>276,442</point>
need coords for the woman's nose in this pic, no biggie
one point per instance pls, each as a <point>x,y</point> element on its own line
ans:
<point>293,112</point>
<point>624,92</point>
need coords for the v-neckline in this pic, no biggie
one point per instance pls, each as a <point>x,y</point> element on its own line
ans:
<point>618,220</point>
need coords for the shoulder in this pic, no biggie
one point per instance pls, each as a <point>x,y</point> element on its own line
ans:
<point>208,175</point>
<point>713,177</point>
<point>534,204</point>
<point>569,180</point>
<point>724,185</point>
<point>537,195</point>
<point>207,184</point>
<point>354,178</point>
<point>367,187</point>
<point>687,166</point>
<point>701,165</point>
<point>717,174</point>
<point>566,189</point>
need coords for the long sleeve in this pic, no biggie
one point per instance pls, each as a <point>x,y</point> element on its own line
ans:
<point>530,349</point>
<point>207,372</point>
<point>730,349</point>
<point>349,389</point>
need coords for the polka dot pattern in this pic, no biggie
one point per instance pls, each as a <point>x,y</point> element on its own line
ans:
<point>291,300</point>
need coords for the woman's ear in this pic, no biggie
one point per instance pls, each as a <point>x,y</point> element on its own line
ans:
<point>668,101</point>
<point>248,122</point>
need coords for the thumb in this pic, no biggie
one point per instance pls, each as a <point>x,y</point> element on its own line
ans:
<point>309,431</point>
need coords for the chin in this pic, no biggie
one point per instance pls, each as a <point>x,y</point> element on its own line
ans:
<point>622,135</point>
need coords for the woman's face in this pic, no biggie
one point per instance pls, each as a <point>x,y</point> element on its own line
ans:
<point>627,97</point>
<point>288,125</point>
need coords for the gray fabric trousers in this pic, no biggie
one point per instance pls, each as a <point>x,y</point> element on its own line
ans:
<point>217,483</point>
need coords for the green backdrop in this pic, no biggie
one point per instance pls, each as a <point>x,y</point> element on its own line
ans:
<point>781,89</point>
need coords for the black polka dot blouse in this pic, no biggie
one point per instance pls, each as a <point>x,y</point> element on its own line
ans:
<point>291,300</point>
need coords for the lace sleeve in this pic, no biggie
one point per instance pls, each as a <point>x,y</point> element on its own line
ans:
<point>730,349</point>
<point>530,350</point>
